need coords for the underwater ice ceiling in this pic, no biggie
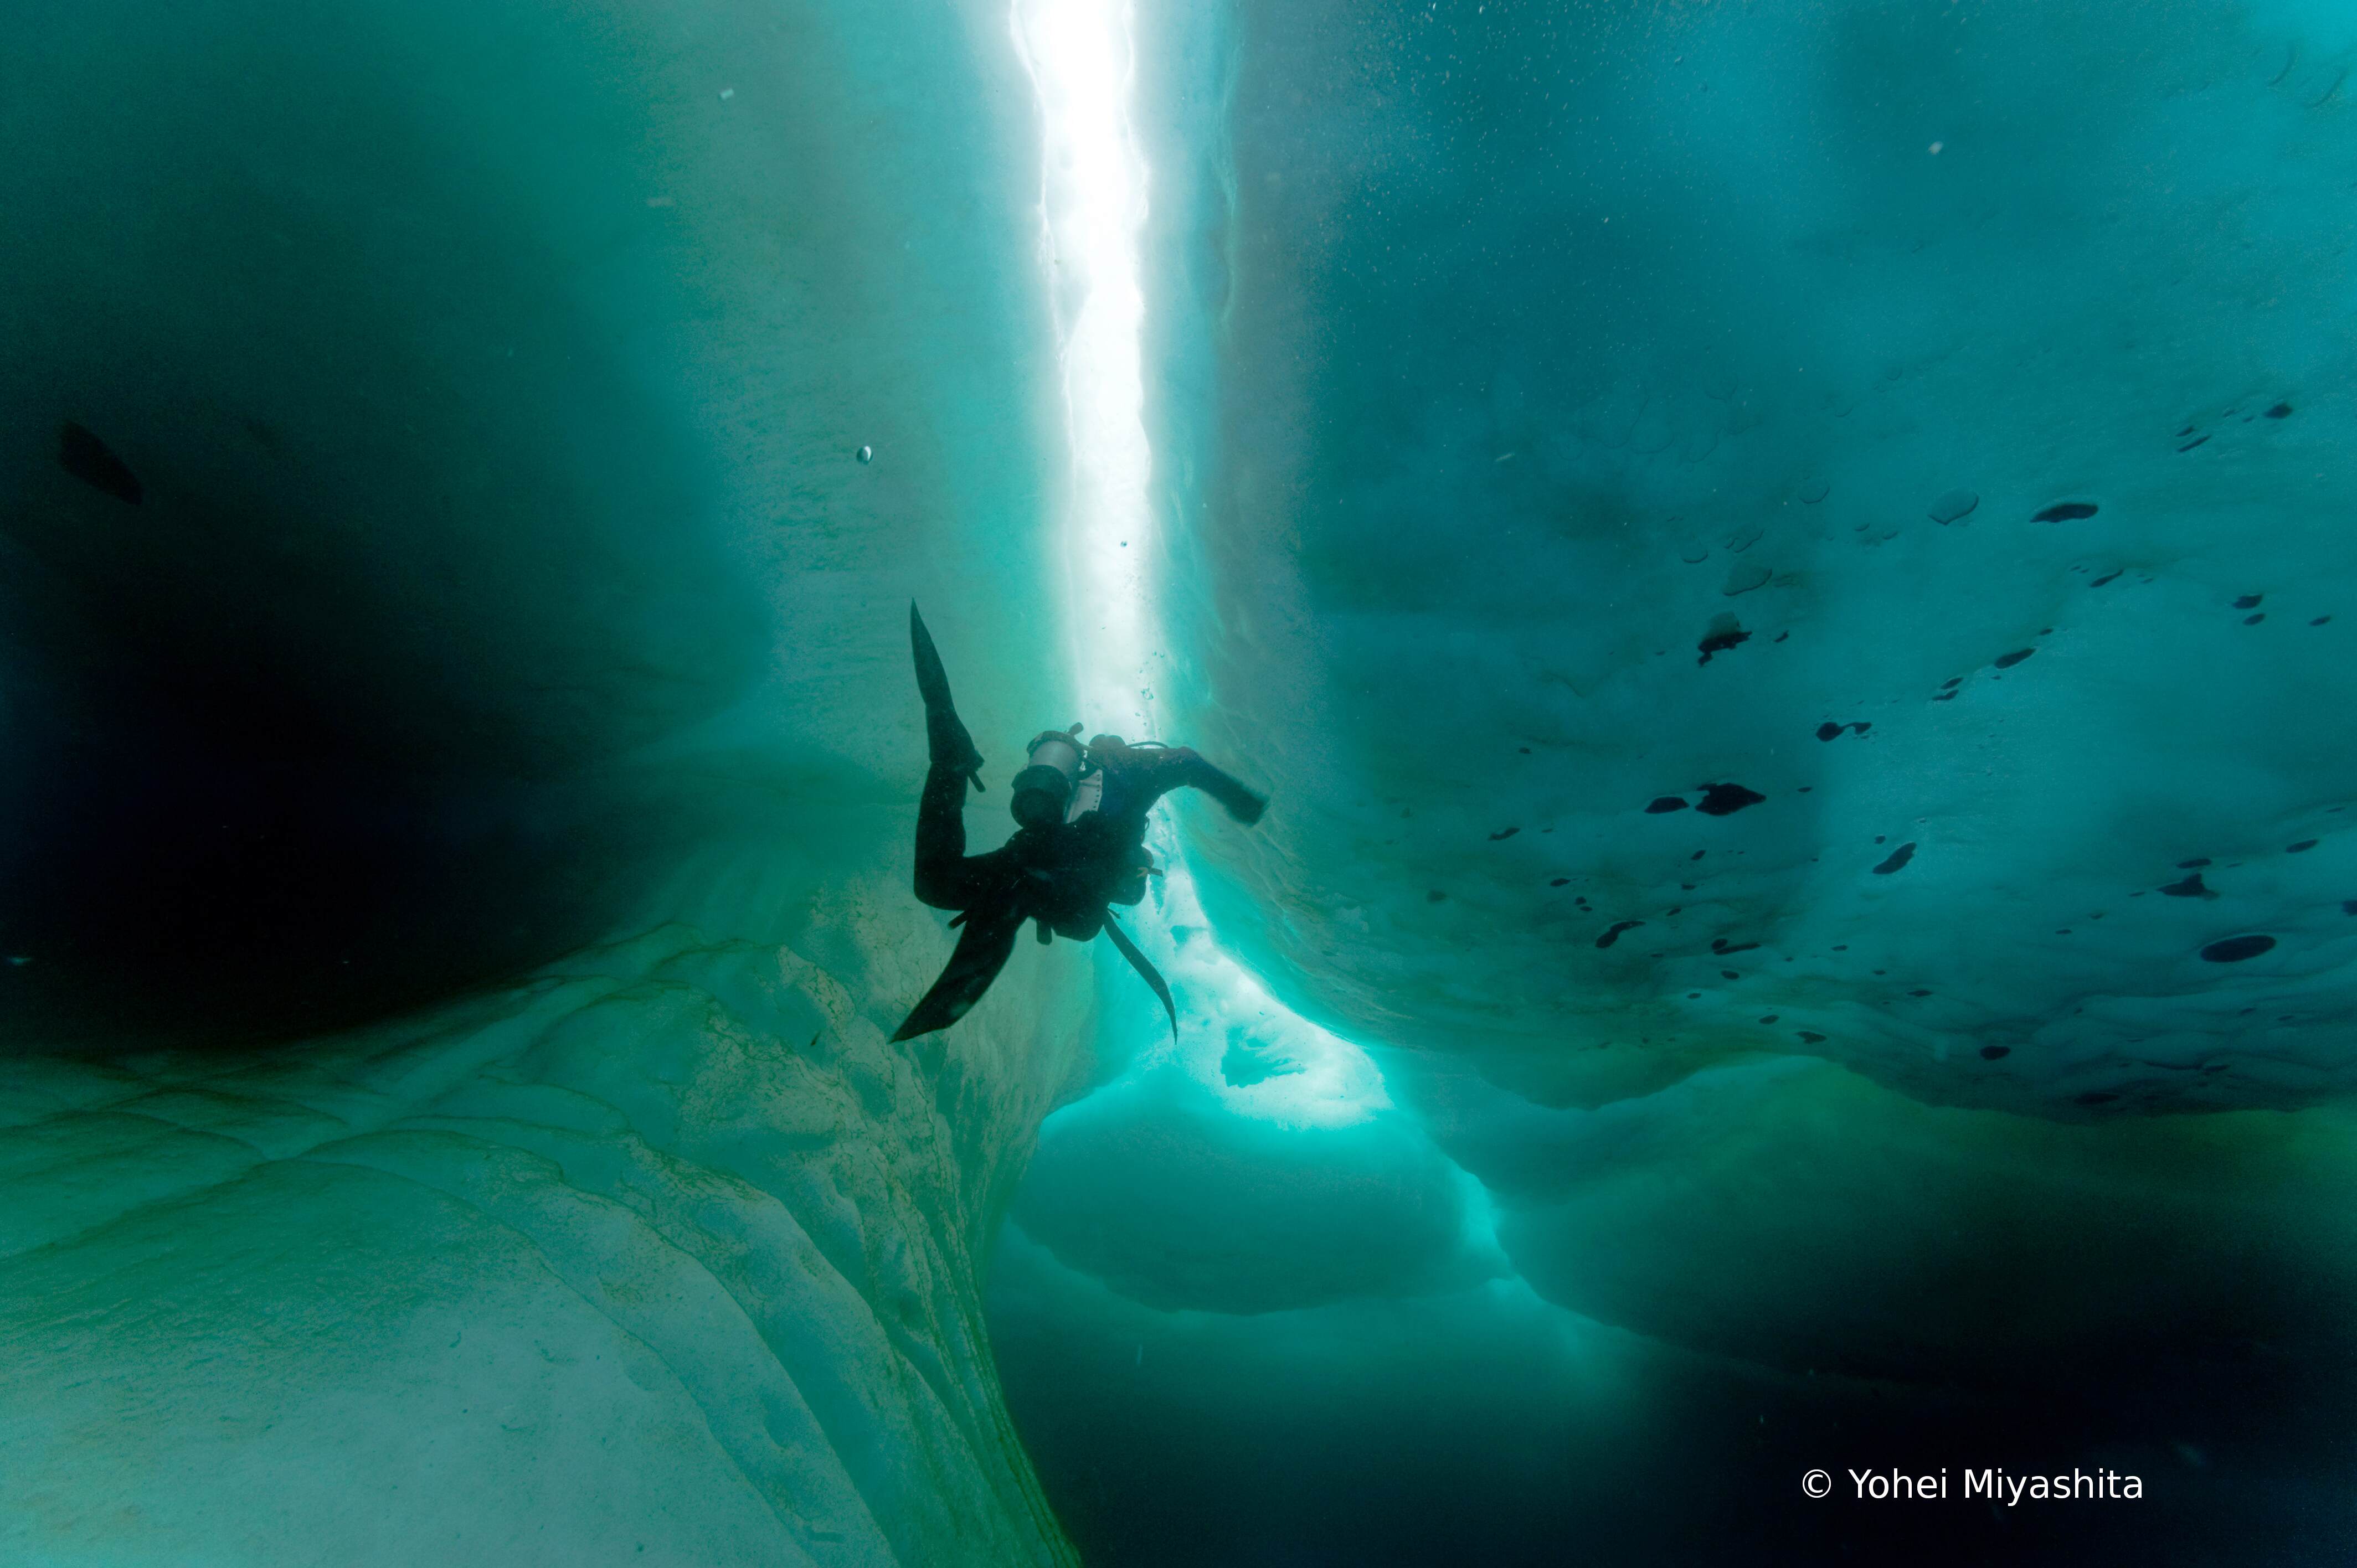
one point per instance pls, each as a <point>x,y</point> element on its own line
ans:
<point>1781,565</point>
<point>1797,529</point>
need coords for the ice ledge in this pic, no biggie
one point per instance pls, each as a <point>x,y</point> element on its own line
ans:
<point>668,1247</point>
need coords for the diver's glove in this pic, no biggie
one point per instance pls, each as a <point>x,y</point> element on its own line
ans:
<point>945,734</point>
<point>1242,804</point>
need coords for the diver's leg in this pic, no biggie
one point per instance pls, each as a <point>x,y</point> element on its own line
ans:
<point>940,838</point>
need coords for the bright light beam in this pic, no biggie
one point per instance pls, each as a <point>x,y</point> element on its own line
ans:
<point>1092,210</point>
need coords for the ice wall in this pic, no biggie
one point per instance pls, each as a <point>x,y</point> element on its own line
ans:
<point>1783,564</point>
<point>457,896</point>
<point>1820,516</point>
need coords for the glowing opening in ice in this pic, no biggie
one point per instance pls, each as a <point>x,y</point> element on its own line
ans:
<point>1092,208</point>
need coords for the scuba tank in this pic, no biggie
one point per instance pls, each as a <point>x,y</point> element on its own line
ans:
<point>1044,789</point>
<point>1063,777</point>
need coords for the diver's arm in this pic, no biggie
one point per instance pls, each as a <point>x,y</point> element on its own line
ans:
<point>1244,805</point>
<point>1160,769</point>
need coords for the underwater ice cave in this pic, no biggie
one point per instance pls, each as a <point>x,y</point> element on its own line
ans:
<point>1788,570</point>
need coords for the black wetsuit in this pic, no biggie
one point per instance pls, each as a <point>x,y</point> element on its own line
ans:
<point>1064,875</point>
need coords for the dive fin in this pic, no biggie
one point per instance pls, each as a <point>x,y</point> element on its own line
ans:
<point>982,951</point>
<point>1146,971</point>
<point>951,746</point>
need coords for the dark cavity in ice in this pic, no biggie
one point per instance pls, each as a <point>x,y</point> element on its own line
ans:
<point>2234,950</point>
<point>2008,660</point>
<point>89,459</point>
<point>1609,938</point>
<point>1899,859</point>
<point>1725,632</point>
<point>2065,512</point>
<point>1667,803</point>
<point>1725,800</point>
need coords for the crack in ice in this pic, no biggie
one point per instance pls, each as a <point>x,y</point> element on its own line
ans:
<point>1092,210</point>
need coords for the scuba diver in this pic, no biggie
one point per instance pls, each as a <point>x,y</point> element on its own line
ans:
<point>1079,845</point>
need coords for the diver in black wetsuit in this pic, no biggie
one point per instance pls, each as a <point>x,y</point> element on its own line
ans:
<point>1079,846</point>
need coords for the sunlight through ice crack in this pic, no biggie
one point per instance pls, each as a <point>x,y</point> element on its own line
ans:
<point>1092,210</point>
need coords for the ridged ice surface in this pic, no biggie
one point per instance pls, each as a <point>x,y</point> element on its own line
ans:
<point>464,903</point>
<point>667,1249</point>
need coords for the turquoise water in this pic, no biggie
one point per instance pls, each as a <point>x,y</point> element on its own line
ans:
<point>1783,568</point>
